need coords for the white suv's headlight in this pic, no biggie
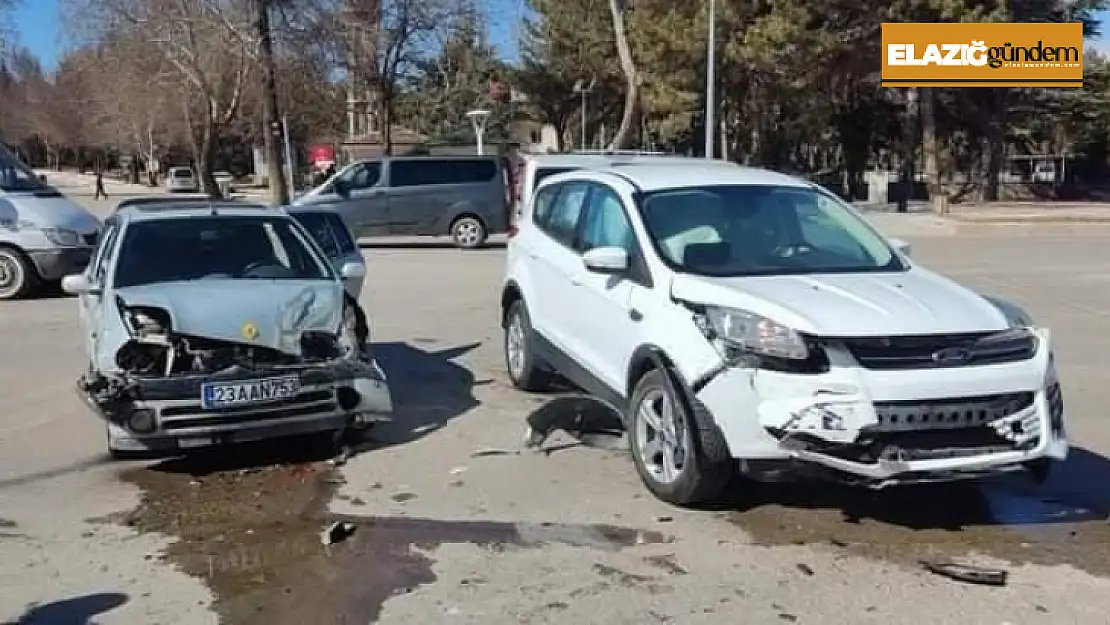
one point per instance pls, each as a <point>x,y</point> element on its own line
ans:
<point>62,237</point>
<point>746,331</point>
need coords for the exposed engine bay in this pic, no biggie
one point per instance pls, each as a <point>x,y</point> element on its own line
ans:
<point>156,351</point>
<point>158,385</point>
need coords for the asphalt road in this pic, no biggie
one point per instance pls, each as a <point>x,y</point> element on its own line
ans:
<point>453,525</point>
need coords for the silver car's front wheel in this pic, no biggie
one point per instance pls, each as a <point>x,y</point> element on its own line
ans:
<point>15,274</point>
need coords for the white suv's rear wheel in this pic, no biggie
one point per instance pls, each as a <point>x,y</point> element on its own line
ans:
<point>525,372</point>
<point>669,446</point>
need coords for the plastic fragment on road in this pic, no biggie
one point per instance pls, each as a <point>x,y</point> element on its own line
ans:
<point>967,573</point>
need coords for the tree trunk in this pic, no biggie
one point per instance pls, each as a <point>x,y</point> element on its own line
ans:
<point>279,190</point>
<point>387,119</point>
<point>628,68</point>
<point>929,145</point>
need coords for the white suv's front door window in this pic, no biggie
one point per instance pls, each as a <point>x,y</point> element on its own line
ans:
<point>604,327</point>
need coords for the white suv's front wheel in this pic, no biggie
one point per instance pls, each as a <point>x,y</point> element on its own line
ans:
<point>669,446</point>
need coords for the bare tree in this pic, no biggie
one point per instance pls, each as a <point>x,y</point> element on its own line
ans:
<point>628,68</point>
<point>211,72</point>
<point>386,39</point>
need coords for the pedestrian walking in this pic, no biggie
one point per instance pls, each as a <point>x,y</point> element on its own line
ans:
<point>100,192</point>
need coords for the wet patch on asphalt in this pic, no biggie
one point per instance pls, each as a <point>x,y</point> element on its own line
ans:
<point>252,532</point>
<point>1005,518</point>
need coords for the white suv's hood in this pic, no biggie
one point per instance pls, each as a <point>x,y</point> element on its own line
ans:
<point>859,304</point>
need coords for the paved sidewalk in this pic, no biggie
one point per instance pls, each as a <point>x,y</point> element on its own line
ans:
<point>68,179</point>
<point>1003,213</point>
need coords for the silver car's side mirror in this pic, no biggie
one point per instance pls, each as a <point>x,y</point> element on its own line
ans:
<point>903,247</point>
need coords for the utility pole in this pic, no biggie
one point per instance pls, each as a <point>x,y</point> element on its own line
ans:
<point>279,192</point>
<point>710,78</point>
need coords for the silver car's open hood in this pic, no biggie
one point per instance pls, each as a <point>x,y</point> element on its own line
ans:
<point>269,313</point>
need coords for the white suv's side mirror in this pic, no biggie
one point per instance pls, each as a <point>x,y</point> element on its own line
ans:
<point>606,260</point>
<point>352,271</point>
<point>903,247</point>
<point>77,284</point>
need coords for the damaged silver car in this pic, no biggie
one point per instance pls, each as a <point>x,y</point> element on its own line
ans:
<point>219,323</point>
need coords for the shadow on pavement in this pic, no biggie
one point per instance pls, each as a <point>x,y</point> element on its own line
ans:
<point>427,243</point>
<point>76,611</point>
<point>1072,494</point>
<point>429,390</point>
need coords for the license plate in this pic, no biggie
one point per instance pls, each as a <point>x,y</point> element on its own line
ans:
<point>215,395</point>
<point>192,442</point>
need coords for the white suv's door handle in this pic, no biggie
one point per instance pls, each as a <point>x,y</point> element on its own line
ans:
<point>576,282</point>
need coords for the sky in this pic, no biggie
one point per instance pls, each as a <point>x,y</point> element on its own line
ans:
<point>39,28</point>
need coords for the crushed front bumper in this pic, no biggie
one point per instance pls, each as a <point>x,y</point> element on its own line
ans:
<point>153,413</point>
<point>895,426</point>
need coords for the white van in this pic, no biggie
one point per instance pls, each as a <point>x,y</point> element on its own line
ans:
<point>44,236</point>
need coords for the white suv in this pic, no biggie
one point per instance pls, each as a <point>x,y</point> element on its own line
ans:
<point>734,314</point>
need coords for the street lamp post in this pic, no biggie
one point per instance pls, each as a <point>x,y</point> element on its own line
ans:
<point>581,88</point>
<point>710,78</point>
<point>479,118</point>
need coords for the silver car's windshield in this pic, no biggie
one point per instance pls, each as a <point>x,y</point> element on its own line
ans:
<point>198,248</point>
<point>15,176</point>
<point>748,230</point>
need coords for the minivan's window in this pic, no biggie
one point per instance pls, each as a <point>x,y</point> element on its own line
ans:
<point>14,175</point>
<point>416,172</point>
<point>745,230</point>
<point>171,250</point>
<point>182,173</point>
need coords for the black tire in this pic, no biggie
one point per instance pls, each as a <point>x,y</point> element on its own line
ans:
<point>532,376</point>
<point>17,275</point>
<point>708,466</point>
<point>468,232</point>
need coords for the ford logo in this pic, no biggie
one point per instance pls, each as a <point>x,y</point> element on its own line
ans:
<point>951,356</point>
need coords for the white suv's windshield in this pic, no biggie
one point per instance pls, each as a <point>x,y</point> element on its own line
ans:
<point>745,230</point>
<point>197,248</point>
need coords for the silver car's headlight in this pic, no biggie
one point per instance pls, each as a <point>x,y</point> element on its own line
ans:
<point>62,237</point>
<point>731,329</point>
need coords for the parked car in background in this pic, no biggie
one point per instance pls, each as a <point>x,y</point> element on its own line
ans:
<point>181,179</point>
<point>466,197</point>
<point>43,235</point>
<point>740,318</point>
<point>220,323</point>
<point>334,238</point>
<point>224,178</point>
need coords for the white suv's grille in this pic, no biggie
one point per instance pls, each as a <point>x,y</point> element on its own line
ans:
<point>939,350</point>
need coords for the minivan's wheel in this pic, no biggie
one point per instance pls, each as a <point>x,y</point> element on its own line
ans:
<point>669,448</point>
<point>524,371</point>
<point>468,232</point>
<point>16,275</point>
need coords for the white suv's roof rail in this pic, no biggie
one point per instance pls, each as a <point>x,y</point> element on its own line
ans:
<point>623,153</point>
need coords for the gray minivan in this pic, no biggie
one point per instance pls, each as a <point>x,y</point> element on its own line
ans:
<point>466,197</point>
<point>44,236</point>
